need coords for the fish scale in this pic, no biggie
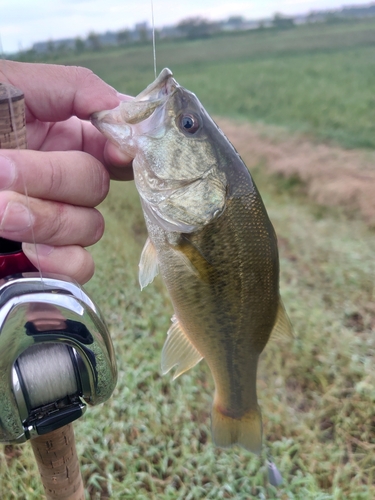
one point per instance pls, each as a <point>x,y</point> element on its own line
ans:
<point>212,242</point>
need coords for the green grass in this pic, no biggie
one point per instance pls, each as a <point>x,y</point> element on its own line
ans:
<point>152,439</point>
<point>318,79</point>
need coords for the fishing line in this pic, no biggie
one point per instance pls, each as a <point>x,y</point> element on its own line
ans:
<point>14,128</point>
<point>47,373</point>
<point>153,36</point>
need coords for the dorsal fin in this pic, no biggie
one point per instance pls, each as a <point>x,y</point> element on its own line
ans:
<point>283,327</point>
<point>178,351</point>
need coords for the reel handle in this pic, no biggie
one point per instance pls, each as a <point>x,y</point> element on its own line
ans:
<point>55,452</point>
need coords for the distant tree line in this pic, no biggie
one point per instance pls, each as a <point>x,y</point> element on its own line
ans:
<point>189,28</point>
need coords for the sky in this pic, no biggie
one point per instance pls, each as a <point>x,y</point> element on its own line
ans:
<point>24,22</point>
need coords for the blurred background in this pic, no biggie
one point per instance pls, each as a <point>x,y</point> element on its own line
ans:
<point>292,85</point>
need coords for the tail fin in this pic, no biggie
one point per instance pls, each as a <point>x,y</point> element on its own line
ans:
<point>245,431</point>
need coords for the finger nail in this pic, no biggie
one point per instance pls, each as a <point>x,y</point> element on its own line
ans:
<point>16,217</point>
<point>7,172</point>
<point>38,249</point>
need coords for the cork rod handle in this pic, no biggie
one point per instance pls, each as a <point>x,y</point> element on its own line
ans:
<point>54,452</point>
<point>57,460</point>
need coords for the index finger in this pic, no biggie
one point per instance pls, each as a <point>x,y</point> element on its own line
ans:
<point>71,177</point>
<point>55,93</point>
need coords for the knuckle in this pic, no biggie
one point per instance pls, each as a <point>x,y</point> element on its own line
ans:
<point>53,226</point>
<point>54,179</point>
<point>86,78</point>
<point>82,74</point>
<point>69,225</point>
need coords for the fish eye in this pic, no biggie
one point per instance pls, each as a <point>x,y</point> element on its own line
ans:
<point>189,123</point>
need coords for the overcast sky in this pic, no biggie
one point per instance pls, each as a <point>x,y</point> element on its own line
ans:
<point>23,22</point>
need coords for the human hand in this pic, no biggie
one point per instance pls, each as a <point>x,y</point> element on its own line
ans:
<point>63,171</point>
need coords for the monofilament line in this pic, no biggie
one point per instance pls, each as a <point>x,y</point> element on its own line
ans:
<point>153,36</point>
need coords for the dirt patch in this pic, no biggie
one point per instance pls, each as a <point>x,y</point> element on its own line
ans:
<point>332,175</point>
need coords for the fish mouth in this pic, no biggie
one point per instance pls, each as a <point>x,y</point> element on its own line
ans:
<point>161,88</point>
<point>130,118</point>
<point>140,107</point>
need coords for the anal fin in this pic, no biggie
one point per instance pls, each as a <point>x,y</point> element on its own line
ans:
<point>178,351</point>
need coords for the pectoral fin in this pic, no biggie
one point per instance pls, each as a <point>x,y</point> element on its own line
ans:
<point>148,265</point>
<point>186,261</point>
<point>283,327</point>
<point>193,259</point>
<point>178,351</point>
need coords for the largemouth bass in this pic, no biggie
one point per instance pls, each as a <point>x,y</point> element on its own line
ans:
<point>213,243</point>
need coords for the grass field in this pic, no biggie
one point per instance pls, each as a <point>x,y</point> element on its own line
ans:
<point>318,79</point>
<point>317,393</point>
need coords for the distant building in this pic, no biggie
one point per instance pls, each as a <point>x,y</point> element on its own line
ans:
<point>54,45</point>
<point>365,10</point>
<point>142,32</point>
<point>109,38</point>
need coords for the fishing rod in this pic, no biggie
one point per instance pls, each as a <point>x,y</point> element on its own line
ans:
<point>56,353</point>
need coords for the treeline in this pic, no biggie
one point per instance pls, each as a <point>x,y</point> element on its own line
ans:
<point>190,28</point>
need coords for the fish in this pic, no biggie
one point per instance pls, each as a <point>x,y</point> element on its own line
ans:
<point>210,238</point>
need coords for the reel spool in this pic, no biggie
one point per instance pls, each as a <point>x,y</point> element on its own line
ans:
<point>55,355</point>
<point>47,387</point>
